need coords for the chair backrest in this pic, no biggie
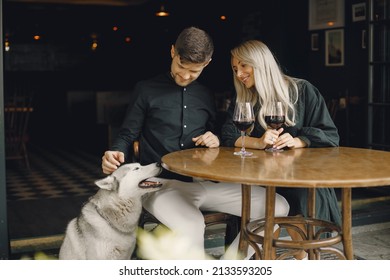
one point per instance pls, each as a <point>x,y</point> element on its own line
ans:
<point>16,118</point>
<point>333,107</point>
<point>136,151</point>
<point>16,122</point>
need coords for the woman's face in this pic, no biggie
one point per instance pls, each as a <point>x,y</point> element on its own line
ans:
<point>243,72</point>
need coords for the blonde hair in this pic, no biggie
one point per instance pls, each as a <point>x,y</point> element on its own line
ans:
<point>271,84</point>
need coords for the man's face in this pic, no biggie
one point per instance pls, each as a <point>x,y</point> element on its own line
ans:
<point>184,74</point>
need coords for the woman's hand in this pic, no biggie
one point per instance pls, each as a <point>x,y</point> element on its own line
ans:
<point>286,140</point>
<point>270,137</point>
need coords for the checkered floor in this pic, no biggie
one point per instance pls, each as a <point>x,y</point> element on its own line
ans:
<point>54,173</point>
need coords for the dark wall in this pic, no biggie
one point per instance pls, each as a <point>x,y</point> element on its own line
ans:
<point>349,82</point>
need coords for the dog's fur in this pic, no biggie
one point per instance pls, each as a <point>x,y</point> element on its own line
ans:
<point>107,225</point>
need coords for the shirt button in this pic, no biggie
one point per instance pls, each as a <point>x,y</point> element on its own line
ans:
<point>185,126</point>
<point>185,106</point>
<point>182,144</point>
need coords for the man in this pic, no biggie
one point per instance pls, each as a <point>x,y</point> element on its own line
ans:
<point>173,111</point>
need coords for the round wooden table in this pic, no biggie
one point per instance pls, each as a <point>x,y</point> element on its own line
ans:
<point>311,168</point>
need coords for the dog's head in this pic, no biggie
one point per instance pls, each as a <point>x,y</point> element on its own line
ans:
<point>132,179</point>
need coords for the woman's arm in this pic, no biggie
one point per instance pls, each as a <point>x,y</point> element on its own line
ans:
<point>314,123</point>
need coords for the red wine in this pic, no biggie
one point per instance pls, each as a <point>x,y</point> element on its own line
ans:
<point>243,126</point>
<point>275,121</point>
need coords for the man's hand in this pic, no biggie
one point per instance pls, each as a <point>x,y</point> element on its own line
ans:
<point>208,139</point>
<point>111,160</point>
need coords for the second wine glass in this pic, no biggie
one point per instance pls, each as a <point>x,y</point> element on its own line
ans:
<point>275,118</point>
<point>243,118</point>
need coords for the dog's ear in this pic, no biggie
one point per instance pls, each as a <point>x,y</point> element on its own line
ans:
<point>107,183</point>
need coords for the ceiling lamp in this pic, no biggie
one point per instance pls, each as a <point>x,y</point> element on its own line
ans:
<point>162,12</point>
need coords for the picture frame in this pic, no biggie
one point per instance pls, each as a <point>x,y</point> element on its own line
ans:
<point>334,47</point>
<point>359,12</point>
<point>314,42</point>
<point>325,14</point>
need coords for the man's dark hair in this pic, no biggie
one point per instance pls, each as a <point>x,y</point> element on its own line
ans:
<point>194,45</point>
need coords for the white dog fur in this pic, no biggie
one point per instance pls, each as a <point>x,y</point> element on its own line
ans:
<point>107,225</point>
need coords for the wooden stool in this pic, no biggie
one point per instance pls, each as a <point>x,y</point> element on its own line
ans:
<point>320,238</point>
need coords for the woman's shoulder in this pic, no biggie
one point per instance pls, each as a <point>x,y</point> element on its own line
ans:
<point>305,87</point>
<point>303,83</point>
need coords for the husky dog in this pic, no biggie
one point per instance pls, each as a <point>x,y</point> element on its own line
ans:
<point>107,225</point>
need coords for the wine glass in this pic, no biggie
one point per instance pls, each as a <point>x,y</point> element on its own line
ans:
<point>243,118</point>
<point>275,118</point>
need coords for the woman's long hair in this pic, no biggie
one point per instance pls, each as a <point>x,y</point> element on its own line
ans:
<point>271,84</point>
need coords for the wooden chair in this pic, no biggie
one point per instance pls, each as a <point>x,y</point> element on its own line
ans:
<point>211,218</point>
<point>16,119</point>
<point>333,107</point>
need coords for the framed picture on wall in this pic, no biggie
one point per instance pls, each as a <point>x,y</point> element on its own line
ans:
<point>326,14</point>
<point>359,12</point>
<point>334,47</point>
<point>314,42</point>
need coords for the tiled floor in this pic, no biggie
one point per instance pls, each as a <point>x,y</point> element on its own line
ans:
<point>372,241</point>
<point>54,173</point>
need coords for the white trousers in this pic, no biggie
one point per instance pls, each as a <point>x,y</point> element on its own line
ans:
<point>178,206</point>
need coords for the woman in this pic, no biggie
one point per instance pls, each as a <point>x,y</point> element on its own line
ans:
<point>258,79</point>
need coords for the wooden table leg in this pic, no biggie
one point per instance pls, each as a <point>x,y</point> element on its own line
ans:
<point>311,213</point>
<point>311,202</point>
<point>245,216</point>
<point>346,209</point>
<point>269,222</point>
